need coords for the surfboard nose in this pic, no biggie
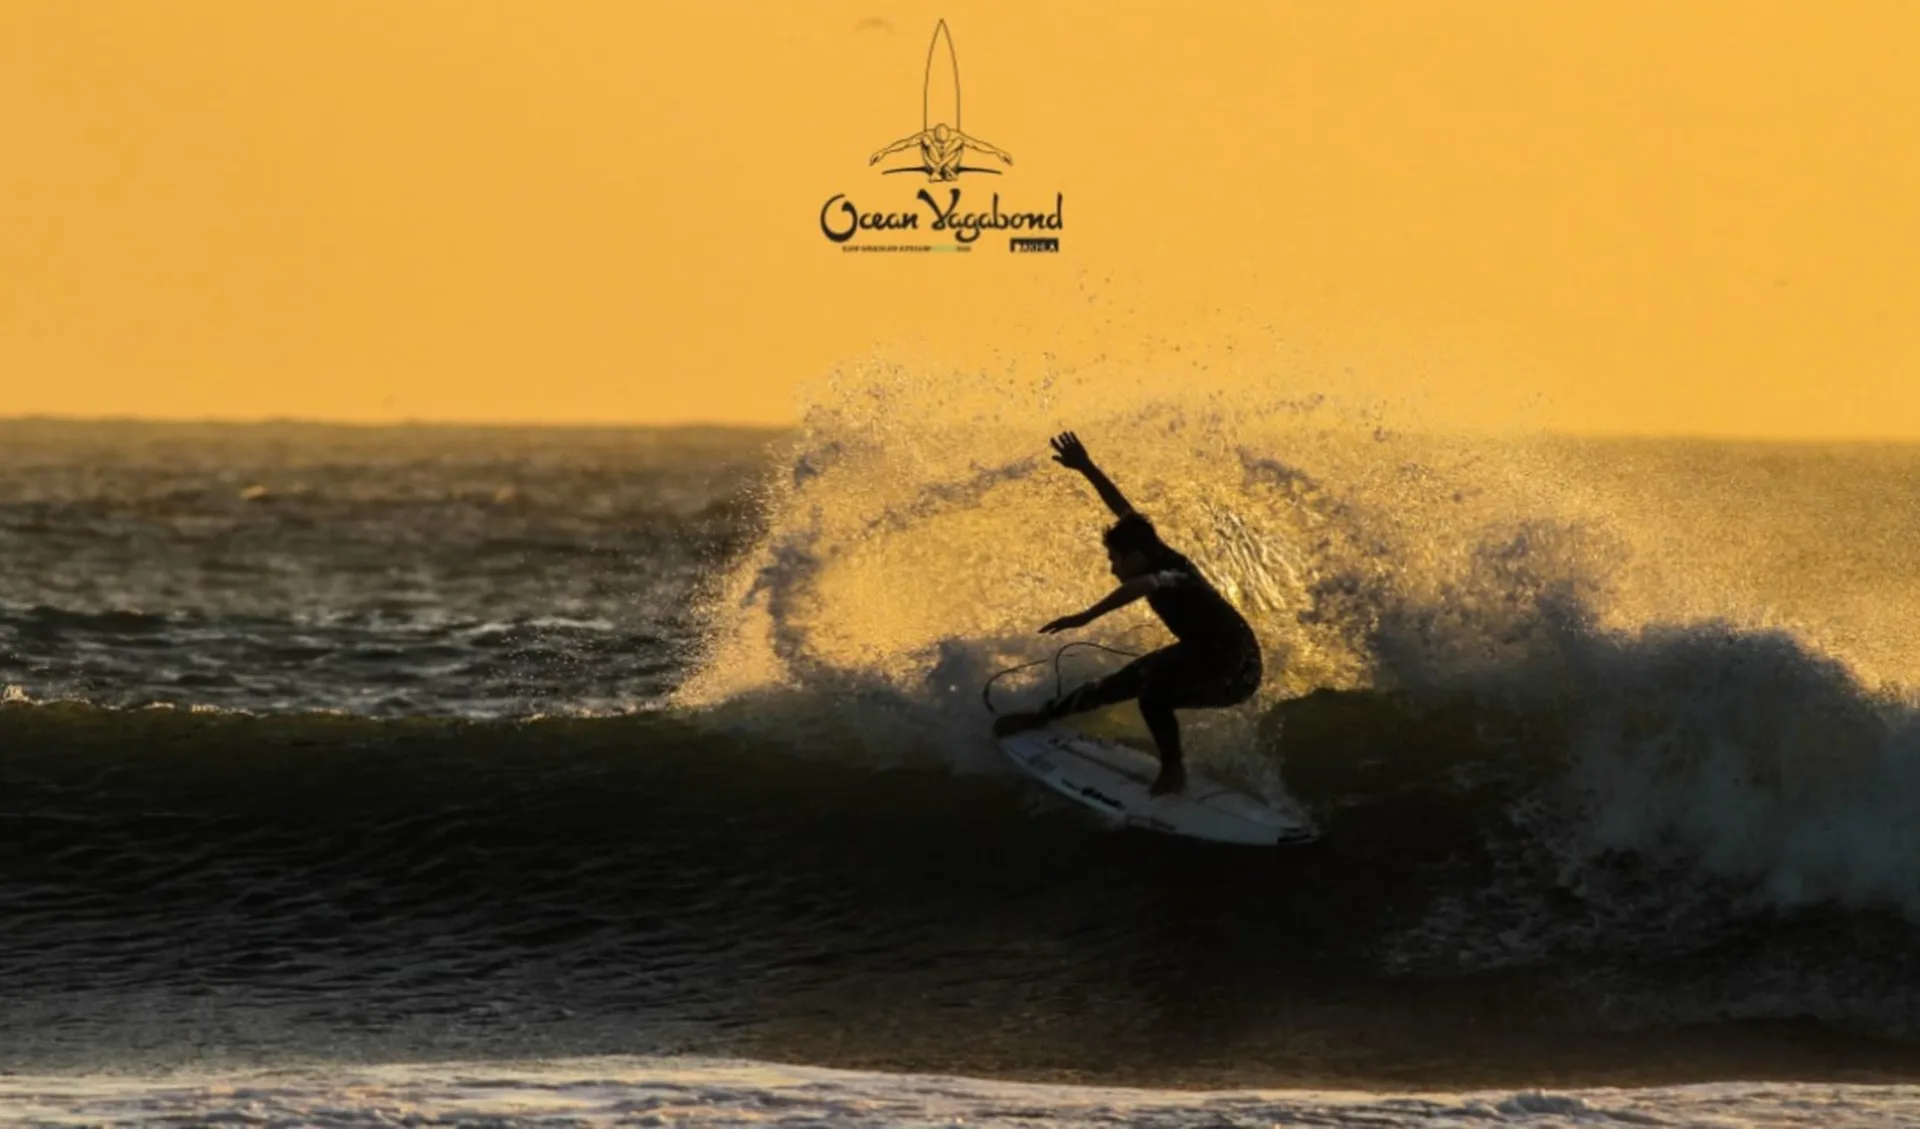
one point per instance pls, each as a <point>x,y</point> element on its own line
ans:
<point>940,97</point>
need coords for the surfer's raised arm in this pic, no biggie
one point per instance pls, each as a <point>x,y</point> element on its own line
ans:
<point>1069,453</point>
<point>903,143</point>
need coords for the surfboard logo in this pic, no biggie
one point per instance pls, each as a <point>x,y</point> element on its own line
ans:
<point>943,146</point>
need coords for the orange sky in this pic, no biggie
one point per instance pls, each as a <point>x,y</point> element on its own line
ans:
<point>1618,216</point>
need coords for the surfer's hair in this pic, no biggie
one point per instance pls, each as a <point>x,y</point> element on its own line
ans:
<point>1132,534</point>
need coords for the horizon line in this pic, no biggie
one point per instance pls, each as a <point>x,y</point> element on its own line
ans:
<point>371,425</point>
<point>722,425</point>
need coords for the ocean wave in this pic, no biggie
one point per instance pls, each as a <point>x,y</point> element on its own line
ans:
<point>1597,839</point>
<point>1522,728</point>
<point>1561,755</point>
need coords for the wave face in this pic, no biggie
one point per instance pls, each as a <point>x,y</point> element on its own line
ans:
<point>529,743</point>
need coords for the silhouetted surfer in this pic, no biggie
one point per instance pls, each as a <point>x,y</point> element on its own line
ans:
<point>942,148</point>
<point>1214,663</point>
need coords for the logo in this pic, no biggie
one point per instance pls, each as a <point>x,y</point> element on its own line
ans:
<point>947,153</point>
<point>943,145</point>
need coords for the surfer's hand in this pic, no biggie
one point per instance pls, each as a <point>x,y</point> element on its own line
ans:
<point>1066,623</point>
<point>1069,453</point>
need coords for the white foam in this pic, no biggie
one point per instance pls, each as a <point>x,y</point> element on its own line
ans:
<point>699,1093</point>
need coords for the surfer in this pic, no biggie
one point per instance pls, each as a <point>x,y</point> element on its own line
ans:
<point>942,148</point>
<point>1214,662</point>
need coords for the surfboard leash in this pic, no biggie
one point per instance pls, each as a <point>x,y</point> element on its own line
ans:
<point>986,691</point>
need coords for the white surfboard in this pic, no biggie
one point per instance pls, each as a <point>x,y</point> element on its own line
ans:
<point>1113,779</point>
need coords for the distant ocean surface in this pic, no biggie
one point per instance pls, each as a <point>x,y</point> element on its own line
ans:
<point>522,776</point>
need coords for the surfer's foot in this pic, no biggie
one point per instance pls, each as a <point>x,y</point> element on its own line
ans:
<point>1017,723</point>
<point>1171,781</point>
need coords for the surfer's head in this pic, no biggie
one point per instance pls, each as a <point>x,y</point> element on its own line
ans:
<point>941,133</point>
<point>1132,546</point>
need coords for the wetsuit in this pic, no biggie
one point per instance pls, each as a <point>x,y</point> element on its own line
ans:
<point>1215,663</point>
